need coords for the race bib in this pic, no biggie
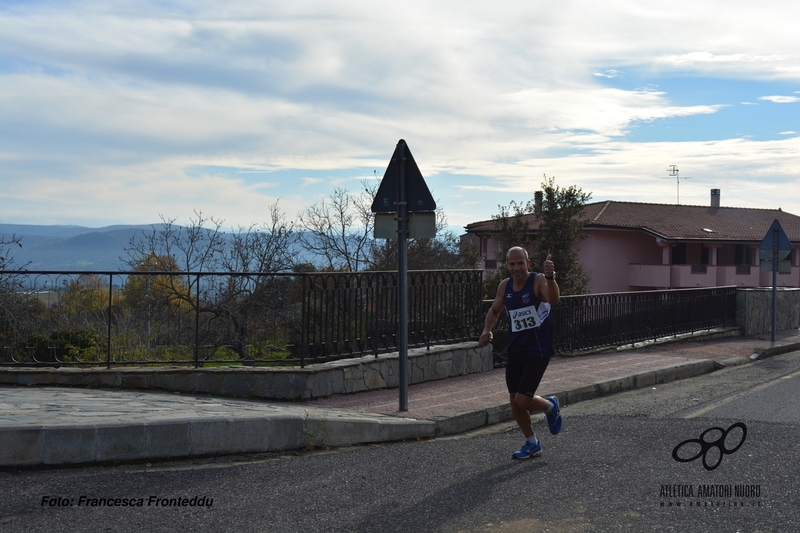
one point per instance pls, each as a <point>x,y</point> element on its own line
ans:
<point>525,318</point>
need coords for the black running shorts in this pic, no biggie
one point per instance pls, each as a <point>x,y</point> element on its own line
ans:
<point>524,373</point>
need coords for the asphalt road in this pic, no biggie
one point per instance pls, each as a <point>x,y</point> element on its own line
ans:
<point>610,469</point>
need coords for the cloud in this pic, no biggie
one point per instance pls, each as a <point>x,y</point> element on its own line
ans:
<point>117,104</point>
<point>608,73</point>
<point>780,99</point>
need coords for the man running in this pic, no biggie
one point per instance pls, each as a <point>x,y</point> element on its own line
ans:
<point>527,297</point>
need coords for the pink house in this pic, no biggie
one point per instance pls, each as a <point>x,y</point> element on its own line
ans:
<point>638,246</point>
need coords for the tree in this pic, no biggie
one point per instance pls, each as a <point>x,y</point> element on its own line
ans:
<point>513,224</point>
<point>338,230</point>
<point>154,290</point>
<point>231,305</point>
<point>19,312</point>
<point>553,230</point>
<point>563,219</point>
<point>440,252</point>
<point>195,247</point>
<point>6,257</point>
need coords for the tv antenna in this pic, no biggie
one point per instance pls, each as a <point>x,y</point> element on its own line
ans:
<point>673,173</point>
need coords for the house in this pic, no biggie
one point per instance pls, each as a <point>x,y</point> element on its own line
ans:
<point>639,246</point>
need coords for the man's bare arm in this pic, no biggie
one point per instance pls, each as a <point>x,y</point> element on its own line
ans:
<point>493,315</point>
<point>545,285</point>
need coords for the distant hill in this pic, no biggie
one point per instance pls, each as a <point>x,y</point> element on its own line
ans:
<point>71,247</point>
<point>75,247</point>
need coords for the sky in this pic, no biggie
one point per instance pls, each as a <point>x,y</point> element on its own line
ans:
<point>123,112</point>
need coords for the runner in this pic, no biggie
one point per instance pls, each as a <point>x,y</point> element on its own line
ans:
<point>527,297</point>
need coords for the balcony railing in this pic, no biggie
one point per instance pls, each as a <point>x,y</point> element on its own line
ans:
<point>697,276</point>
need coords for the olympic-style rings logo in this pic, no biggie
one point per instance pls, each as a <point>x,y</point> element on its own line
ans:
<point>706,446</point>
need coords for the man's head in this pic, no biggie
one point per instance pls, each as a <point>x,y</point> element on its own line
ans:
<point>517,262</point>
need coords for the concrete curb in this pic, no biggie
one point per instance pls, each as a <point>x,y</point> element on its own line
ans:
<point>80,444</point>
<point>775,350</point>
<point>471,420</point>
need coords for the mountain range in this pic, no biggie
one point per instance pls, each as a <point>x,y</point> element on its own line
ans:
<point>71,247</point>
<point>59,248</point>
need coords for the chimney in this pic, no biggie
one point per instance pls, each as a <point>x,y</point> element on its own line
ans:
<point>714,197</point>
<point>537,202</point>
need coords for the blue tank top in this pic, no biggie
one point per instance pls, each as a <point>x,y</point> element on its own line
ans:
<point>530,322</point>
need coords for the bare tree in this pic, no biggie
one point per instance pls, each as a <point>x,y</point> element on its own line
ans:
<point>6,257</point>
<point>441,252</point>
<point>338,230</point>
<point>231,305</point>
<point>19,312</point>
<point>265,248</point>
<point>196,247</point>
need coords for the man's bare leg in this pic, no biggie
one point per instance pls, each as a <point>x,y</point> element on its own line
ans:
<point>521,408</point>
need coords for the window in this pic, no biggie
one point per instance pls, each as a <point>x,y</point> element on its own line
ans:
<point>742,255</point>
<point>679,254</point>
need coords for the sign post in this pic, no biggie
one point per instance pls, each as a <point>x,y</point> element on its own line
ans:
<point>774,254</point>
<point>402,192</point>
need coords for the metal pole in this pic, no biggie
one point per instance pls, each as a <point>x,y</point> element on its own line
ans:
<point>197,324</point>
<point>110,302</point>
<point>402,274</point>
<point>774,282</point>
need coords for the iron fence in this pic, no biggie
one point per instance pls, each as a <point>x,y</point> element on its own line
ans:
<point>357,313</point>
<point>212,318</point>
<point>594,321</point>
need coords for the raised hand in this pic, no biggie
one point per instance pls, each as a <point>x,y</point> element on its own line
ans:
<point>548,267</point>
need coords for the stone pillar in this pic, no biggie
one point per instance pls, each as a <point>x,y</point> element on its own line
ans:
<point>754,310</point>
<point>666,249</point>
<point>754,260</point>
<point>712,255</point>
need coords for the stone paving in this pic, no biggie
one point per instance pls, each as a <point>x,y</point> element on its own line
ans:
<point>35,406</point>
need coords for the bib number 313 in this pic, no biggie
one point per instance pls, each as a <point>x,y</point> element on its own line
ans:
<point>525,318</point>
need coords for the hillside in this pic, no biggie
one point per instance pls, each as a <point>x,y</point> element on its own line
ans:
<point>71,247</point>
<point>77,248</point>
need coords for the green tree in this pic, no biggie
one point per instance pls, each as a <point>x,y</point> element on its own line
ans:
<point>154,289</point>
<point>513,225</point>
<point>563,219</point>
<point>555,229</point>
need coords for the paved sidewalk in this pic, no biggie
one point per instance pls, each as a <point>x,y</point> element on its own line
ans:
<point>436,399</point>
<point>52,426</point>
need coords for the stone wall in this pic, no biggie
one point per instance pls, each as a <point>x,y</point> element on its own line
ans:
<point>754,310</point>
<point>313,381</point>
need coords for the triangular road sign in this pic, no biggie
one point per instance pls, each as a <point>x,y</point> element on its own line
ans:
<point>766,252</point>
<point>417,194</point>
<point>784,245</point>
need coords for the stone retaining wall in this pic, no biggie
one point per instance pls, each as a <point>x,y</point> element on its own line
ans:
<point>754,310</point>
<point>313,381</point>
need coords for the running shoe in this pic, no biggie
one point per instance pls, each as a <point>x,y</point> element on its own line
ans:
<point>554,419</point>
<point>528,450</point>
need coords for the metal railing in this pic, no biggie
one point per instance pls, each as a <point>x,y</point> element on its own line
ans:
<point>213,318</point>
<point>357,313</point>
<point>595,321</point>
